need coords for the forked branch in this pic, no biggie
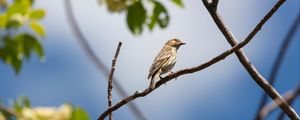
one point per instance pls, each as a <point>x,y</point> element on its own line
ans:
<point>288,96</point>
<point>256,76</point>
<point>278,61</point>
<point>99,64</point>
<point>212,7</point>
<point>174,75</point>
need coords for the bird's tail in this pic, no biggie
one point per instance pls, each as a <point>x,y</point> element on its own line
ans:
<point>155,77</point>
<point>152,83</point>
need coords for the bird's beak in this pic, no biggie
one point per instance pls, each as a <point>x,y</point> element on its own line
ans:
<point>182,43</point>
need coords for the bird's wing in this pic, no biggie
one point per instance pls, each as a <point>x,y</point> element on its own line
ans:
<point>160,60</point>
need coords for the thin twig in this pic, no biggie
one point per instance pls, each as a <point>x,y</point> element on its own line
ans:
<point>172,76</point>
<point>97,62</point>
<point>278,61</point>
<point>256,76</point>
<point>281,114</point>
<point>288,96</point>
<point>110,80</point>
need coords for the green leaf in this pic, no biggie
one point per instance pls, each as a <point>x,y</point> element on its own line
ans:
<point>3,20</point>
<point>16,20</point>
<point>37,27</point>
<point>116,5</point>
<point>29,2</point>
<point>136,17</point>
<point>16,63</point>
<point>79,114</point>
<point>160,15</point>
<point>178,2</point>
<point>11,54</point>
<point>24,100</point>
<point>39,50</point>
<point>18,7</point>
<point>37,14</point>
<point>20,103</point>
<point>30,43</point>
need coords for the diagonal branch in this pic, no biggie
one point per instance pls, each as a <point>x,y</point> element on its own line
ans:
<point>290,101</point>
<point>110,79</point>
<point>278,61</point>
<point>94,59</point>
<point>172,76</point>
<point>288,96</point>
<point>256,76</point>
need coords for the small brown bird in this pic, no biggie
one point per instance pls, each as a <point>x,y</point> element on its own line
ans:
<point>164,61</point>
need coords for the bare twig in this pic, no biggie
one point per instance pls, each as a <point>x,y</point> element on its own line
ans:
<point>172,76</point>
<point>281,114</point>
<point>97,62</point>
<point>259,79</point>
<point>190,70</point>
<point>278,61</point>
<point>288,96</point>
<point>110,80</point>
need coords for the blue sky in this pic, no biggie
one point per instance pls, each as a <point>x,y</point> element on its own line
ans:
<point>223,91</point>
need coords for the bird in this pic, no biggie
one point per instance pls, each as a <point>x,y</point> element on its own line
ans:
<point>164,61</point>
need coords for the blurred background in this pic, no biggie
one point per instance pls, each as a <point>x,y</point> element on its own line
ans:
<point>222,91</point>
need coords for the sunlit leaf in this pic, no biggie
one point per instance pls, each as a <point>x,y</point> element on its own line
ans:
<point>16,20</point>
<point>178,2</point>
<point>79,114</point>
<point>18,7</point>
<point>136,17</point>
<point>116,5</point>
<point>29,2</point>
<point>37,14</point>
<point>3,20</point>
<point>15,44</point>
<point>37,27</point>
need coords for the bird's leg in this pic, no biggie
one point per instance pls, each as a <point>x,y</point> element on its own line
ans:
<point>161,78</point>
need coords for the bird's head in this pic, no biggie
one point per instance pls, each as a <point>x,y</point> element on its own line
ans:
<point>174,43</point>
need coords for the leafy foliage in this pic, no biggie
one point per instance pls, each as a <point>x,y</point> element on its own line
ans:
<point>22,110</point>
<point>178,2</point>
<point>15,45</point>
<point>160,16</point>
<point>137,15</point>
<point>79,114</point>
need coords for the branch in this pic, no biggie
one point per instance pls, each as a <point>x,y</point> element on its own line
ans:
<point>97,62</point>
<point>172,76</point>
<point>213,6</point>
<point>256,76</point>
<point>278,61</point>
<point>281,115</point>
<point>288,96</point>
<point>110,80</point>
